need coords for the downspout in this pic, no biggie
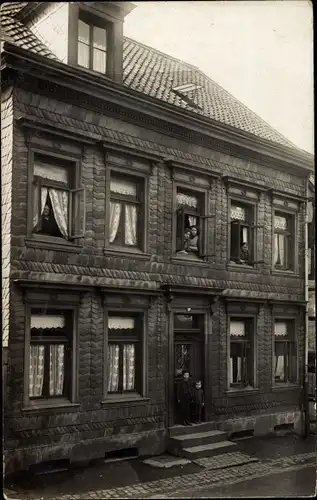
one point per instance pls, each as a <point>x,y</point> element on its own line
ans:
<point>305,379</point>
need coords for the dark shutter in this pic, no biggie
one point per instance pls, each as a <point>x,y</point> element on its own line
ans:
<point>235,240</point>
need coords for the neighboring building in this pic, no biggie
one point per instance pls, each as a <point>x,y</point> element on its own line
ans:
<point>311,290</point>
<point>111,151</point>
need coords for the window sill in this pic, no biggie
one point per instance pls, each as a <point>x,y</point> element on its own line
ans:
<point>124,400</point>
<point>283,387</point>
<point>189,260</point>
<point>51,243</point>
<point>237,391</point>
<point>136,253</point>
<point>232,266</point>
<point>279,271</point>
<point>49,406</point>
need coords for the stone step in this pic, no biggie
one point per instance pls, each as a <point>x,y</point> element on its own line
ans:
<point>178,430</point>
<point>207,450</point>
<point>198,438</point>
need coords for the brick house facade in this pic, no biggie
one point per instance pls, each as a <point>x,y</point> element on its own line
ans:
<point>124,290</point>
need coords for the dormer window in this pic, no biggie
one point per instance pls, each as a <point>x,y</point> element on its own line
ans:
<point>92,46</point>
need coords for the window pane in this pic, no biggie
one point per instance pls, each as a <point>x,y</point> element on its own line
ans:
<point>47,321</point>
<point>128,367</point>
<point>280,246</point>
<point>83,55</point>
<point>280,328</point>
<point>83,32</point>
<point>113,368</point>
<point>235,241</point>
<point>36,374</point>
<point>280,361</point>
<point>57,370</point>
<point>99,38</point>
<point>99,60</point>
<point>130,230</point>
<point>52,172</point>
<point>238,362</point>
<point>237,328</point>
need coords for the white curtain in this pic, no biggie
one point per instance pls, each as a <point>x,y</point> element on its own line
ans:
<point>113,367</point>
<point>185,199</point>
<point>279,368</point>
<point>192,220</point>
<point>36,203</point>
<point>36,377</point>
<point>244,235</point>
<point>235,376</point>
<point>59,201</point>
<point>130,225</point>
<point>128,367</point>
<point>99,60</point>
<point>279,250</point>
<point>115,213</point>
<point>56,370</point>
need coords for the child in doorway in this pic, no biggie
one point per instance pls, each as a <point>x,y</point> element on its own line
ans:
<point>198,402</point>
<point>185,398</point>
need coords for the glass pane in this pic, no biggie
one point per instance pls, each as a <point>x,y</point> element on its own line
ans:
<point>280,361</point>
<point>187,200</point>
<point>280,328</point>
<point>280,248</point>
<point>182,358</point>
<point>238,363</point>
<point>36,373</point>
<point>99,61</point>
<point>124,187</point>
<point>280,222</point>
<point>128,367</point>
<point>57,370</point>
<point>120,323</point>
<point>113,367</point>
<point>99,38</point>
<point>83,32</point>
<point>186,321</point>
<point>47,321</point>
<point>237,328</point>
<point>54,173</point>
<point>83,55</point>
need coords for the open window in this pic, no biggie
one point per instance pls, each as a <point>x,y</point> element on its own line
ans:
<point>125,352</point>
<point>283,243</point>
<point>189,224</point>
<point>58,205</point>
<point>285,352</point>
<point>241,362</point>
<point>50,351</point>
<point>126,214</point>
<point>242,233</point>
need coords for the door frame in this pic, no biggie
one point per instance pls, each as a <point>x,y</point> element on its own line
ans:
<point>206,345</point>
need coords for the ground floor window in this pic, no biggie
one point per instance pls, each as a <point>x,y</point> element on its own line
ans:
<point>241,359</point>
<point>50,354</point>
<point>285,352</point>
<point>125,353</point>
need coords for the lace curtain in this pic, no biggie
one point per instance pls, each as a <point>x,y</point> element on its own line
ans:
<point>59,201</point>
<point>279,249</point>
<point>280,329</point>
<point>280,222</point>
<point>128,367</point>
<point>36,377</point>
<point>192,220</point>
<point>244,235</point>
<point>185,199</point>
<point>56,370</point>
<point>237,213</point>
<point>113,367</point>
<point>279,372</point>
<point>115,213</point>
<point>130,225</point>
<point>237,328</point>
<point>124,187</point>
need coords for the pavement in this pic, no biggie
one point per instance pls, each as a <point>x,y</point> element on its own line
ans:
<point>136,479</point>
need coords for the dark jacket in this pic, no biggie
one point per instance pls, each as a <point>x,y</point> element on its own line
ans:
<point>198,396</point>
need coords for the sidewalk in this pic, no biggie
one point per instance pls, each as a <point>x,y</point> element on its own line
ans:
<point>134,479</point>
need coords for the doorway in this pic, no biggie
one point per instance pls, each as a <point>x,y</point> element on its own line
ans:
<point>188,352</point>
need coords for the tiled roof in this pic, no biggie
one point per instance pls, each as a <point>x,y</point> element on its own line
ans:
<point>155,74</point>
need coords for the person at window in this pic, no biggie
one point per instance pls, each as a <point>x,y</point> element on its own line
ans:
<point>198,402</point>
<point>244,252</point>
<point>48,223</point>
<point>185,398</point>
<point>187,235</point>
<point>193,240</point>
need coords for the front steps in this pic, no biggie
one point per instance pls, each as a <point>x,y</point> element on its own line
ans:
<point>198,441</point>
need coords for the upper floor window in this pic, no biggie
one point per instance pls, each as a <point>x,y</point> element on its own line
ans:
<point>241,359</point>
<point>126,211</point>
<point>283,243</point>
<point>92,46</point>
<point>50,364</point>
<point>189,223</point>
<point>241,233</point>
<point>56,200</point>
<point>285,352</point>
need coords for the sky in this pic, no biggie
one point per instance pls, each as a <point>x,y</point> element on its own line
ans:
<point>259,51</point>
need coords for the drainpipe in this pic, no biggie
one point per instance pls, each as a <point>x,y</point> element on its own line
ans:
<point>305,381</point>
